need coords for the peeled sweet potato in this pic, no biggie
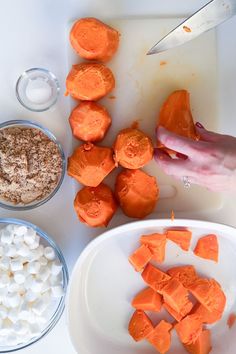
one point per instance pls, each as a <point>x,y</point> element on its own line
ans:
<point>176,296</point>
<point>209,293</point>
<point>176,315</point>
<point>202,345</point>
<point>140,326</point>
<point>140,258</point>
<point>207,247</point>
<point>189,329</point>
<point>181,237</point>
<point>231,320</point>
<point>208,317</point>
<point>154,277</point>
<point>160,337</point>
<point>185,274</point>
<point>157,245</point>
<point>147,300</point>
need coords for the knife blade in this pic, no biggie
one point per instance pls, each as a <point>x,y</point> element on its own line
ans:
<point>209,16</point>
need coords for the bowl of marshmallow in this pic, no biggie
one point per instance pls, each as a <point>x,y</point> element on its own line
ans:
<point>33,283</point>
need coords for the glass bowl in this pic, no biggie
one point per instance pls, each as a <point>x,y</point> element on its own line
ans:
<point>37,203</point>
<point>37,89</point>
<point>59,305</point>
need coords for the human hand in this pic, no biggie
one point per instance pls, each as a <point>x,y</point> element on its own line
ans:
<point>209,162</point>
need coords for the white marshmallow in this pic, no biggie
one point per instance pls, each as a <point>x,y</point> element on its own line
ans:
<point>3,293</point>
<point>6,327</point>
<point>2,250</point>
<point>23,250</point>
<point>13,286</point>
<point>5,301</point>
<point>49,253</point>
<point>10,228</point>
<point>3,312</point>
<point>33,267</point>
<point>29,236</point>
<point>5,263</point>
<point>14,299</point>
<point>10,250</point>
<point>57,291</point>
<point>12,339</point>
<point>13,315</point>
<point>29,281</point>
<point>37,285</point>
<point>34,329</point>
<point>39,306</point>
<point>6,237</point>
<point>20,230</point>
<point>55,267</point>
<point>21,327</point>
<point>16,264</point>
<point>55,279</point>
<point>44,273</point>
<point>40,250</point>
<point>25,311</point>
<point>35,244</point>
<point>43,261</point>
<point>34,255</point>
<point>19,277</point>
<point>4,279</point>
<point>30,296</point>
<point>18,240</point>
<point>46,286</point>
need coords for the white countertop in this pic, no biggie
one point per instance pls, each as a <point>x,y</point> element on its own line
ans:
<point>33,34</point>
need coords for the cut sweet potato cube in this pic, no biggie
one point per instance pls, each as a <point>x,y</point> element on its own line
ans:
<point>185,274</point>
<point>207,247</point>
<point>231,320</point>
<point>202,344</point>
<point>157,245</point>
<point>189,329</point>
<point>147,300</point>
<point>176,315</point>
<point>209,293</point>
<point>176,296</point>
<point>181,237</point>
<point>154,277</point>
<point>207,316</point>
<point>140,326</point>
<point>160,338</point>
<point>140,258</point>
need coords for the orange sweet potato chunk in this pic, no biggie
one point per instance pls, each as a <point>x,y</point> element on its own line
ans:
<point>189,329</point>
<point>176,296</point>
<point>202,344</point>
<point>209,293</point>
<point>160,338</point>
<point>147,300</point>
<point>140,326</point>
<point>231,320</point>
<point>185,274</point>
<point>181,237</point>
<point>157,245</point>
<point>207,247</point>
<point>140,258</point>
<point>154,277</point>
<point>176,315</point>
<point>207,316</point>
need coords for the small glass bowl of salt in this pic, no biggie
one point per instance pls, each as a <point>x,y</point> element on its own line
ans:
<point>37,89</point>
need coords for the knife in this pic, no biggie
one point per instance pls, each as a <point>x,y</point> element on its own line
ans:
<point>209,16</point>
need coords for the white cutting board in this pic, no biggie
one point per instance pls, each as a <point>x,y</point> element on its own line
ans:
<point>142,84</point>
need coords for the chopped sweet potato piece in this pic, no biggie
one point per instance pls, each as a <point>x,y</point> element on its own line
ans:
<point>176,296</point>
<point>157,245</point>
<point>147,300</point>
<point>176,116</point>
<point>181,237</point>
<point>176,315</point>
<point>202,345</point>
<point>189,329</point>
<point>160,338</point>
<point>185,274</point>
<point>154,277</point>
<point>231,320</point>
<point>140,326</point>
<point>209,293</point>
<point>207,247</point>
<point>140,258</point>
<point>207,316</point>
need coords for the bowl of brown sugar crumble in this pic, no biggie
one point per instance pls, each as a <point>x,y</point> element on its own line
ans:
<point>32,165</point>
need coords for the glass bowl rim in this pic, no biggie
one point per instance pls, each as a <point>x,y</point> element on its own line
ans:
<point>46,71</point>
<point>52,137</point>
<point>60,308</point>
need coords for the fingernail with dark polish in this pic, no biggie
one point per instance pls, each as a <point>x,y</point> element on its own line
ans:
<point>199,125</point>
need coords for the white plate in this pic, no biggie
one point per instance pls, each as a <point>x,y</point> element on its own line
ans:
<point>103,284</point>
